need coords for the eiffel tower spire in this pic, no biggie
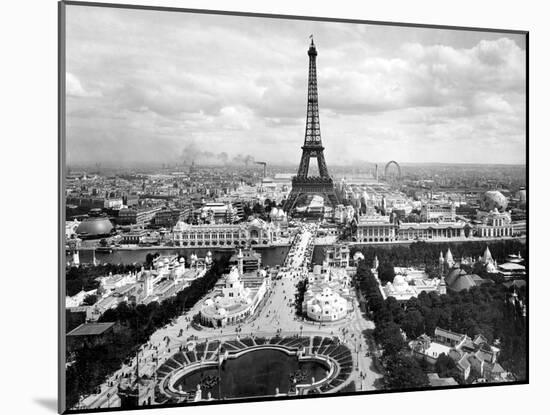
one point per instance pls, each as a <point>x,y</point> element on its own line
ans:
<point>303,183</point>
<point>313,147</point>
<point>313,129</point>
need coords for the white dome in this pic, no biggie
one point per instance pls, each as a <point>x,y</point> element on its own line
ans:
<point>399,281</point>
<point>256,223</point>
<point>233,276</point>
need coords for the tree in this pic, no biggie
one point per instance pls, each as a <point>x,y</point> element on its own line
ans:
<point>432,271</point>
<point>404,372</point>
<point>149,258</point>
<point>413,323</point>
<point>90,299</point>
<point>390,338</point>
<point>412,217</point>
<point>299,296</point>
<point>259,209</point>
<point>135,325</point>
<point>247,211</point>
<point>446,367</point>
<point>386,273</point>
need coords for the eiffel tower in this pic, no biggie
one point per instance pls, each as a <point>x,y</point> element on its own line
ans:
<point>302,184</point>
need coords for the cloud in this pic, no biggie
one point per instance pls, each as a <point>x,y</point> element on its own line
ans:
<point>224,88</point>
<point>73,87</point>
<point>429,76</point>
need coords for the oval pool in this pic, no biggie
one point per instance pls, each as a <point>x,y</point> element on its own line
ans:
<point>255,373</point>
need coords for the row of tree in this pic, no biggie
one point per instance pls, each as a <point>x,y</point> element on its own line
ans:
<point>301,288</point>
<point>85,277</point>
<point>485,310</point>
<point>134,325</point>
<point>258,209</point>
<point>421,254</point>
<point>401,371</point>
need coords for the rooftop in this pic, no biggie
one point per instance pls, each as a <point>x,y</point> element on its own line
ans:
<point>511,266</point>
<point>91,329</point>
<point>449,334</point>
<point>435,380</point>
<point>432,225</point>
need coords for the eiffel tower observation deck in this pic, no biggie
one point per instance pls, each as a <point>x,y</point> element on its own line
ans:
<point>304,185</point>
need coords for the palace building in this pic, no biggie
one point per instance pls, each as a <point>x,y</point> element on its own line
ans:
<point>328,296</point>
<point>433,230</point>
<point>409,283</point>
<point>337,256</point>
<point>457,279</point>
<point>252,260</point>
<point>236,298</point>
<point>255,232</point>
<point>380,228</point>
<point>375,228</point>
<point>435,212</point>
<point>494,224</point>
<point>217,212</point>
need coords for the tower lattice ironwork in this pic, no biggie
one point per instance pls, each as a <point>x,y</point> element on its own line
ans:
<point>303,183</point>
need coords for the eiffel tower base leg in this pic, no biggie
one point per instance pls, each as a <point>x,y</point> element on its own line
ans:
<point>328,195</point>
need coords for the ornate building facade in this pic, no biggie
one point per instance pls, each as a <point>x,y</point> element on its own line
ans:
<point>494,224</point>
<point>255,232</point>
<point>432,230</point>
<point>337,256</point>
<point>375,228</point>
<point>380,228</point>
<point>328,295</point>
<point>435,212</point>
<point>237,298</point>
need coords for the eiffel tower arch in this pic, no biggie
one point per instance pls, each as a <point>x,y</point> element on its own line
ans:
<point>303,184</point>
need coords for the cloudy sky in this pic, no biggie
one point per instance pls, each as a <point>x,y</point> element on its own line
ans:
<point>149,86</point>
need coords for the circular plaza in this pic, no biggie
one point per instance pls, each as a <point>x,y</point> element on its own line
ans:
<point>254,366</point>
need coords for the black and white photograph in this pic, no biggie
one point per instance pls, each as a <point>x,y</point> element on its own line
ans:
<point>264,207</point>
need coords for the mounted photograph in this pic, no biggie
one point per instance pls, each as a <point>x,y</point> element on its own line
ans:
<point>260,207</point>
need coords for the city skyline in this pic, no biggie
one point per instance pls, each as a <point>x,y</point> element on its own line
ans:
<point>163,88</point>
<point>238,223</point>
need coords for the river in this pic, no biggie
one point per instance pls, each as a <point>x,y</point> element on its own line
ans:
<point>271,256</point>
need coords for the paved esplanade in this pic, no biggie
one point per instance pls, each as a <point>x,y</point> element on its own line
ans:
<point>278,313</point>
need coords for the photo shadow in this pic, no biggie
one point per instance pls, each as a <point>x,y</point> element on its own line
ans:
<point>48,403</point>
